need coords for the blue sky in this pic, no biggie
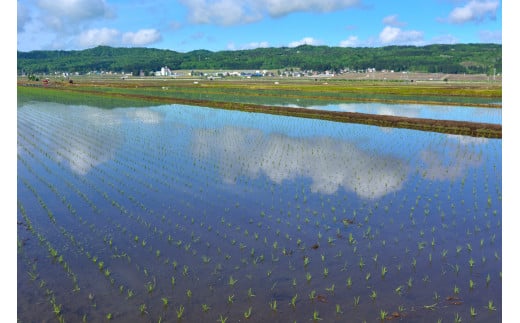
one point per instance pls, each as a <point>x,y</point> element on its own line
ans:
<point>185,25</point>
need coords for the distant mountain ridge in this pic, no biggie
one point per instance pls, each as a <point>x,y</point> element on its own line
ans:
<point>455,59</point>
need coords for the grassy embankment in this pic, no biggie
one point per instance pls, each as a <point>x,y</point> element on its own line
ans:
<point>263,96</point>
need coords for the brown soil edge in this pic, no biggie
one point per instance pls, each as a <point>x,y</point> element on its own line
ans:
<point>473,129</point>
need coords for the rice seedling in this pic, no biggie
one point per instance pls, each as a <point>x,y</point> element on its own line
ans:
<point>179,311</point>
<point>456,290</point>
<point>185,270</point>
<point>293,301</point>
<point>430,307</point>
<point>471,284</point>
<point>306,261</point>
<point>273,305</point>
<point>490,306</point>
<point>308,277</point>
<point>349,282</point>
<point>399,290</point>
<point>142,309</point>
<point>330,289</point>
<point>361,263</point>
<point>150,286</point>
<point>247,314</point>
<point>205,308</point>
<point>231,299</point>
<point>458,318</point>
<point>373,295</point>
<point>316,316</point>
<point>472,311</point>
<point>232,281</point>
<point>384,270</point>
<point>409,283</point>
<point>222,319</point>
<point>382,315</point>
<point>165,301</point>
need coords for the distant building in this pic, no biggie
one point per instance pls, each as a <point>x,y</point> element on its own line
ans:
<point>165,71</point>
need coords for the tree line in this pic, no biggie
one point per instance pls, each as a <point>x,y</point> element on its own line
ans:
<point>438,58</point>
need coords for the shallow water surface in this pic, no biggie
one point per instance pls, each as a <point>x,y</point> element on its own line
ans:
<point>154,214</point>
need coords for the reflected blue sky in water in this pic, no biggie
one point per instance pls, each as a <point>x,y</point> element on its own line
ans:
<point>371,161</point>
<point>181,170</point>
<point>441,112</point>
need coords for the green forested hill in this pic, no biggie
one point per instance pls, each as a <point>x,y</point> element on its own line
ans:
<point>458,58</point>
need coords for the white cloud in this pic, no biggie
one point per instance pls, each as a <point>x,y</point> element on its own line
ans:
<point>141,37</point>
<point>305,41</point>
<point>232,12</point>
<point>75,10</point>
<point>95,37</point>
<point>488,36</point>
<point>278,8</point>
<point>444,39</point>
<point>221,12</point>
<point>253,45</point>
<point>352,41</point>
<point>23,17</point>
<point>394,35</point>
<point>474,10</point>
<point>393,21</point>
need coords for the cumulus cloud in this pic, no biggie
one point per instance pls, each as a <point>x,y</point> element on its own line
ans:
<point>277,8</point>
<point>61,13</point>
<point>231,12</point>
<point>395,35</point>
<point>23,17</point>
<point>488,36</point>
<point>251,45</point>
<point>352,41</point>
<point>445,39</point>
<point>475,10</point>
<point>113,37</point>
<point>95,37</point>
<point>141,37</point>
<point>305,41</point>
<point>221,12</point>
<point>393,21</point>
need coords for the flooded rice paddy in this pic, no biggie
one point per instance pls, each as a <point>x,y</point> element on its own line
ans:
<point>437,112</point>
<point>186,214</point>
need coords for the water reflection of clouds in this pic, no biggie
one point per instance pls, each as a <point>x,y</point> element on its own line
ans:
<point>330,163</point>
<point>453,162</point>
<point>85,136</point>
<point>441,112</point>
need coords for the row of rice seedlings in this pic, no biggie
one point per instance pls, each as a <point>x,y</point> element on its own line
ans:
<point>57,258</point>
<point>101,265</point>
